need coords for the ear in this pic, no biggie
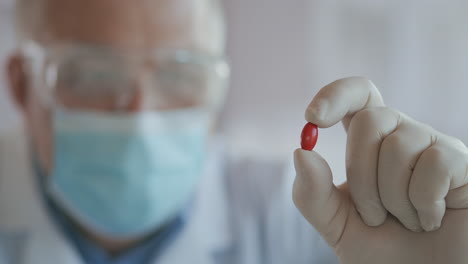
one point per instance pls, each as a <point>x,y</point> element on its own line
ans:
<point>17,80</point>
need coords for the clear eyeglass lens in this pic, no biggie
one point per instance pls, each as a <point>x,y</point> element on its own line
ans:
<point>111,84</point>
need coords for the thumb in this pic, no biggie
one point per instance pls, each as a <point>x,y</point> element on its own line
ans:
<point>317,198</point>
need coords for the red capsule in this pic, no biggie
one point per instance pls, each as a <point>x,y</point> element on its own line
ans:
<point>309,136</point>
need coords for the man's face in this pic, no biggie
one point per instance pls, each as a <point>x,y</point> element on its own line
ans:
<point>134,26</point>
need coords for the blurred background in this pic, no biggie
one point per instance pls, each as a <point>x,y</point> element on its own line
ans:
<point>283,52</point>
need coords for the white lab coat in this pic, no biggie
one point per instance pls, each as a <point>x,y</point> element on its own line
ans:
<point>243,213</point>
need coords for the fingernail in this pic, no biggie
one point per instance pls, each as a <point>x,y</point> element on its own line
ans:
<point>374,221</point>
<point>371,222</point>
<point>317,111</point>
<point>304,159</point>
<point>414,227</point>
<point>375,215</point>
<point>299,162</point>
<point>428,225</point>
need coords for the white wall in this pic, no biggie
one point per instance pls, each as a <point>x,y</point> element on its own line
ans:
<point>284,51</point>
<point>415,51</point>
<point>270,83</point>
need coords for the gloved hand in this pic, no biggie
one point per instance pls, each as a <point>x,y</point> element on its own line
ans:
<point>400,173</point>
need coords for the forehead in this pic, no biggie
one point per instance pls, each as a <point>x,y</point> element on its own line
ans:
<point>135,24</point>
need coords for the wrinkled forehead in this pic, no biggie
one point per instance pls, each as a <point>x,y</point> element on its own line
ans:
<point>136,24</point>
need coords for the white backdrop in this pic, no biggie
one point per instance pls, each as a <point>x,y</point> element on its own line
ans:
<point>282,52</point>
<point>415,51</point>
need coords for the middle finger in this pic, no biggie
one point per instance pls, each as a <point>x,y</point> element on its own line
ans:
<point>398,156</point>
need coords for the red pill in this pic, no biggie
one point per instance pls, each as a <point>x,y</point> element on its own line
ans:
<point>309,136</point>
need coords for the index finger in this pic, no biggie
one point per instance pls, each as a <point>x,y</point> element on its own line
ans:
<point>341,99</point>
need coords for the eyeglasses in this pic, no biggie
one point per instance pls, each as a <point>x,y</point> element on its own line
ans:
<point>85,76</point>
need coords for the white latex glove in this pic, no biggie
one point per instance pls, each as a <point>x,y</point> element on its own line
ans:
<point>394,164</point>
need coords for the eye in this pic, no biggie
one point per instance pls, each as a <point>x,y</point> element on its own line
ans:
<point>92,78</point>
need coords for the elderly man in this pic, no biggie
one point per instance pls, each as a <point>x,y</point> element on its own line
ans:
<point>117,162</point>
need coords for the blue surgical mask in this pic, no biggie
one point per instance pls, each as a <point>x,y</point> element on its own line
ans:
<point>123,176</point>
